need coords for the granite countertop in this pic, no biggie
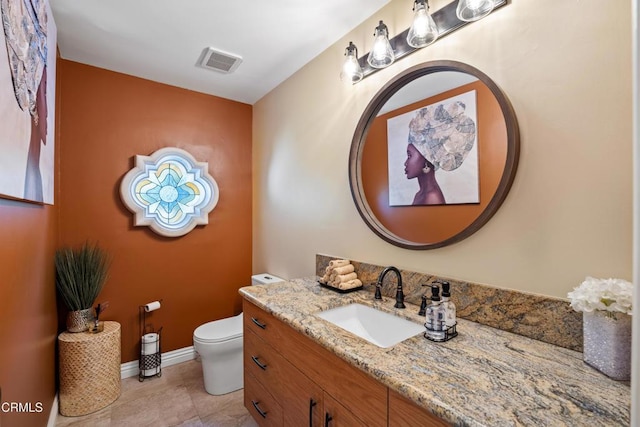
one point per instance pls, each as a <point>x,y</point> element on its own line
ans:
<point>482,377</point>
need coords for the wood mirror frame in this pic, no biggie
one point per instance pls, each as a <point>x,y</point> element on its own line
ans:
<point>404,226</point>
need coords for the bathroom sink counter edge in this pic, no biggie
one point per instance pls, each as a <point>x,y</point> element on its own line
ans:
<point>483,377</point>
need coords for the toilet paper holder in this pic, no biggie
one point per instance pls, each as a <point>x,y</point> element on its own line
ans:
<point>150,362</point>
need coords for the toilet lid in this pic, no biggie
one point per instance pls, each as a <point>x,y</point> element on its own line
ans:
<point>219,330</point>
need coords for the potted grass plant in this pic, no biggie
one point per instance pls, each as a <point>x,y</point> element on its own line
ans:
<point>80,276</point>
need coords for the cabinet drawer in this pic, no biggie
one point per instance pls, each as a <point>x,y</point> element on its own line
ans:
<point>261,404</point>
<point>264,363</point>
<point>262,324</point>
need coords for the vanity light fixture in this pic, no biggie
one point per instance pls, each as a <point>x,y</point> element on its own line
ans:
<point>381,54</point>
<point>424,30</point>
<point>351,70</point>
<point>446,20</point>
<point>473,10</point>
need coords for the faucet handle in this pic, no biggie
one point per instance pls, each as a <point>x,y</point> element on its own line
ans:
<point>378,294</point>
<point>423,306</point>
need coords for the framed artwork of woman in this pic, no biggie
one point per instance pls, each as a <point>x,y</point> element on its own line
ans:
<point>27,100</point>
<point>432,154</point>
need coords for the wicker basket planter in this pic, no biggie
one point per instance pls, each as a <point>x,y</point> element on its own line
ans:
<point>89,370</point>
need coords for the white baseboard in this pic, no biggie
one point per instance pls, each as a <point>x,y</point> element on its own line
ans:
<point>54,412</point>
<point>131,369</point>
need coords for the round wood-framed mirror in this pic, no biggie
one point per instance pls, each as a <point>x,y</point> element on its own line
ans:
<point>457,122</point>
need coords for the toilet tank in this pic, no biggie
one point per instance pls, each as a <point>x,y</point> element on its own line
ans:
<point>265,279</point>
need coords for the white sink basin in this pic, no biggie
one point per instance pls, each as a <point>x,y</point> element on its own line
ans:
<point>377,327</point>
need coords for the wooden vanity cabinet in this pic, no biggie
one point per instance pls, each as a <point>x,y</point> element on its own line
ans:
<point>311,386</point>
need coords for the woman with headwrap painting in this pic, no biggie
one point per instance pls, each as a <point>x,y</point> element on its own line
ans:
<point>417,166</point>
<point>25,30</point>
<point>440,137</point>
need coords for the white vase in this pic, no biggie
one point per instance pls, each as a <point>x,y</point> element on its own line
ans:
<point>607,343</point>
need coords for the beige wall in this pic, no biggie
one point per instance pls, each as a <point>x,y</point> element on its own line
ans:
<point>569,212</point>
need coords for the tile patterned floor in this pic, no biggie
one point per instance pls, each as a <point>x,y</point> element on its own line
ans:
<point>177,398</point>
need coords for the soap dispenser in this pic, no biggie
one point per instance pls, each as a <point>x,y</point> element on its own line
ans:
<point>435,322</point>
<point>449,306</point>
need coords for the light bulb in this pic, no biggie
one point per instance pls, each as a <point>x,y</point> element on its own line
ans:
<point>423,30</point>
<point>381,54</point>
<point>472,10</point>
<point>351,70</point>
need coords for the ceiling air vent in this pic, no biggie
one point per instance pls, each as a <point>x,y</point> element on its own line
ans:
<point>220,61</point>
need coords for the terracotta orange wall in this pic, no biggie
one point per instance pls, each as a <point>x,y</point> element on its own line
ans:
<point>106,119</point>
<point>28,312</point>
<point>28,317</point>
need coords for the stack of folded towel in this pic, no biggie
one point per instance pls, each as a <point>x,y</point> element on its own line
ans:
<point>341,274</point>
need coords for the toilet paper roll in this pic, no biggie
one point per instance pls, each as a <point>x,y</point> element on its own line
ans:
<point>154,305</point>
<point>150,345</point>
<point>151,372</point>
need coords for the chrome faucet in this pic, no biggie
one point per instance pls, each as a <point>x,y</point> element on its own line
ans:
<point>399,292</point>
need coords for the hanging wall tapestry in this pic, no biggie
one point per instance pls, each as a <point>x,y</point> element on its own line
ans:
<point>169,191</point>
<point>27,100</point>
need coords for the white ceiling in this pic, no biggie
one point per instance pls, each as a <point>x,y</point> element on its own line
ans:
<point>162,40</point>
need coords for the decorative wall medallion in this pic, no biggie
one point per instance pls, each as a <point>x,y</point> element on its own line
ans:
<point>169,191</point>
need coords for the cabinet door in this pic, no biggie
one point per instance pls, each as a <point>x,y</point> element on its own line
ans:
<point>361,394</point>
<point>336,415</point>
<point>302,399</point>
<point>404,413</point>
<point>261,404</point>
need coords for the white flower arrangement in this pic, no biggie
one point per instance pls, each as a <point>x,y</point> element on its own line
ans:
<point>614,295</point>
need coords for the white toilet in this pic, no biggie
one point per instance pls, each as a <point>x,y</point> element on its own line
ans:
<point>219,344</point>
